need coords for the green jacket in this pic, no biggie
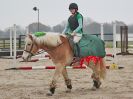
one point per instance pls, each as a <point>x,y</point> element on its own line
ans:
<point>77,22</point>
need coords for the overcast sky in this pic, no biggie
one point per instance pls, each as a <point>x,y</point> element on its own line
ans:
<point>53,12</point>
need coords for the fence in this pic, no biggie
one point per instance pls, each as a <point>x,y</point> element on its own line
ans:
<point>5,42</point>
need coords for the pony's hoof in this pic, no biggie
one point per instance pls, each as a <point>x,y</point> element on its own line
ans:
<point>68,91</point>
<point>93,88</point>
<point>97,84</point>
<point>49,94</point>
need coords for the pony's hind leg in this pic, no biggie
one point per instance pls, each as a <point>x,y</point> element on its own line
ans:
<point>99,72</point>
<point>95,75</point>
<point>96,82</point>
<point>67,80</point>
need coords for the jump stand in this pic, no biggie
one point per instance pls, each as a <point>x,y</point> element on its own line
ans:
<point>124,41</point>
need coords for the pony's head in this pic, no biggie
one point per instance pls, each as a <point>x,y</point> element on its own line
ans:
<point>30,47</point>
<point>33,43</point>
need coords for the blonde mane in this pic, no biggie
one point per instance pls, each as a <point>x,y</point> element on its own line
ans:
<point>51,39</point>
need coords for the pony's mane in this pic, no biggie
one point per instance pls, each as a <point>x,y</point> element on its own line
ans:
<point>51,39</point>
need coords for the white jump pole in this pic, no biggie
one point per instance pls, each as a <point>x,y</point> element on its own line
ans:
<point>14,35</point>
<point>11,50</point>
<point>114,41</point>
<point>114,38</point>
<point>102,31</point>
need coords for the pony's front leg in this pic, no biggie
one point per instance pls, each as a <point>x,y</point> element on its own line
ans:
<point>67,80</point>
<point>57,73</point>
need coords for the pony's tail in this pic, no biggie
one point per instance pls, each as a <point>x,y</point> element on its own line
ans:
<point>102,72</point>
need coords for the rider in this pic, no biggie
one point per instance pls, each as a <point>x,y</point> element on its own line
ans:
<point>75,23</point>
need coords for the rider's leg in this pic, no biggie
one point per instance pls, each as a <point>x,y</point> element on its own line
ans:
<point>77,38</point>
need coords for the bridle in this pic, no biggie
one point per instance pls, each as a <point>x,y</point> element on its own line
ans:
<point>31,54</point>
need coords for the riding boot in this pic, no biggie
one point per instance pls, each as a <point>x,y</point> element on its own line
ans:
<point>76,50</point>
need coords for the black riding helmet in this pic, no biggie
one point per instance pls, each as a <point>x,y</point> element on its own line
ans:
<point>73,6</point>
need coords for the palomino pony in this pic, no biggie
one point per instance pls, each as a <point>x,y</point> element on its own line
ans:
<point>61,53</point>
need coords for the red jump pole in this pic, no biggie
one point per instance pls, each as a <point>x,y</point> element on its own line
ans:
<point>110,55</point>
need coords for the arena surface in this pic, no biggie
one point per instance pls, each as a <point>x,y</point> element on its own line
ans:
<point>34,84</point>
